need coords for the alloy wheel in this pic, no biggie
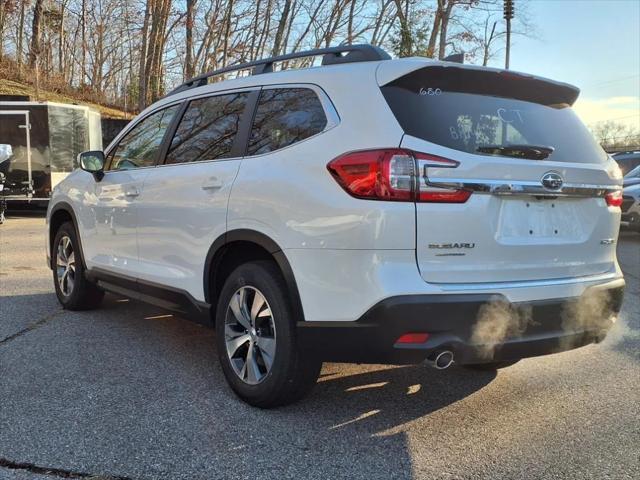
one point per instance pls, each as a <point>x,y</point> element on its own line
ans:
<point>66,266</point>
<point>250,335</point>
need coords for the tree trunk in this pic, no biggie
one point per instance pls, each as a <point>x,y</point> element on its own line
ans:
<point>444,23</point>
<point>265,31</point>
<point>20,39</point>
<point>487,46</point>
<point>188,62</point>
<point>435,31</point>
<point>292,17</point>
<point>155,73</point>
<point>254,36</point>
<point>34,50</point>
<point>405,48</point>
<point>277,43</point>
<point>3,15</point>
<point>61,66</point>
<point>352,8</point>
<point>227,30</point>
<point>83,58</point>
<point>143,81</point>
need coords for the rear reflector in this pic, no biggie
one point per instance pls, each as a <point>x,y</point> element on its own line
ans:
<point>413,338</point>
<point>393,174</point>
<point>614,199</point>
<point>444,196</point>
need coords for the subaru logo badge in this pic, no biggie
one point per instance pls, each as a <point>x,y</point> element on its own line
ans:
<point>552,181</point>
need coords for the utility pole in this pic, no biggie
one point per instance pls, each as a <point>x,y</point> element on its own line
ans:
<point>508,15</point>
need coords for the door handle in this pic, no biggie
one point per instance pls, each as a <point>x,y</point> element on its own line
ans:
<point>131,192</point>
<point>213,183</point>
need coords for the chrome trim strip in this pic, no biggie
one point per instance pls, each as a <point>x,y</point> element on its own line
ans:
<point>500,187</point>
<point>527,284</point>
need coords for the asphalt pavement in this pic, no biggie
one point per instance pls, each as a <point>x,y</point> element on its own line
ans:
<point>132,392</point>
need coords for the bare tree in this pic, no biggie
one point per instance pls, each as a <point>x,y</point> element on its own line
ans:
<point>614,135</point>
<point>34,49</point>
<point>282,23</point>
<point>188,62</point>
<point>406,39</point>
<point>128,52</point>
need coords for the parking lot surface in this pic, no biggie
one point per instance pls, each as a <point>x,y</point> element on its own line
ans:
<point>130,391</point>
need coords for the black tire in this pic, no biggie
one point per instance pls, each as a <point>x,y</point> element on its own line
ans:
<point>292,374</point>
<point>491,366</point>
<point>83,294</point>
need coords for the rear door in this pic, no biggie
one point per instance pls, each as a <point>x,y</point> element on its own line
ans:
<point>534,177</point>
<point>183,205</point>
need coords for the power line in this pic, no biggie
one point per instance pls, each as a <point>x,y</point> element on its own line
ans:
<point>637,115</point>
<point>612,81</point>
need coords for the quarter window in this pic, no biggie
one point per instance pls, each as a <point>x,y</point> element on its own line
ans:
<point>285,116</point>
<point>208,129</point>
<point>140,146</point>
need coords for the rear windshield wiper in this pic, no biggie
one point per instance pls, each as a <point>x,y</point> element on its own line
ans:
<point>531,152</point>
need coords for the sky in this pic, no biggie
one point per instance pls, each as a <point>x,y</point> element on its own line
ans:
<point>592,44</point>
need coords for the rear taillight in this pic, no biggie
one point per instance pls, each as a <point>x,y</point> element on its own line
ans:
<point>375,174</point>
<point>393,174</point>
<point>614,199</point>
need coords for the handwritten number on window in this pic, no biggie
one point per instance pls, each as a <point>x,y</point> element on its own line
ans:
<point>431,92</point>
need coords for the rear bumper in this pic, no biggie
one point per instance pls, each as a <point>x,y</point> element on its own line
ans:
<point>477,328</point>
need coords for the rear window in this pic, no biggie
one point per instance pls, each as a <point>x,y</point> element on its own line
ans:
<point>283,117</point>
<point>470,109</point>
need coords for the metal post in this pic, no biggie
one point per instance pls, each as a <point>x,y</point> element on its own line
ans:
<point>28,130</point>
<point>508,15</point>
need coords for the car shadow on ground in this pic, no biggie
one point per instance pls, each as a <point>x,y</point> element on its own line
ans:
<point>133,380</point>
<point>384,398</point>
<point>371,398</point>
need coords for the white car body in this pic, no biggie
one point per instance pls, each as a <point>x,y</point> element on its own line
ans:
<point>158,225</point>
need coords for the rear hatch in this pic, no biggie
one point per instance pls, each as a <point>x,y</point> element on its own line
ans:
<point>538,195</point>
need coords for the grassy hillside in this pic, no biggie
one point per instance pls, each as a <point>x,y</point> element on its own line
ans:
<point>10,87</point>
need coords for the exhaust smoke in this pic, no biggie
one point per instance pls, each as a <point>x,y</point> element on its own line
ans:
<point>592,312</point>
<point>497,321</point>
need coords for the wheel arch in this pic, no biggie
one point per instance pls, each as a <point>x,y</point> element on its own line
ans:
<point>250,245</point>
<point>63,212</point>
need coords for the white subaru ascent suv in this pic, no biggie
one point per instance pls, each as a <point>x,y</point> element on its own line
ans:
<point>369,210</point>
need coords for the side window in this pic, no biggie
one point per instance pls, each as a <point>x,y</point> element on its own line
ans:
<point>285,116</point>
<point>207,129</point>
<point>139,147</point>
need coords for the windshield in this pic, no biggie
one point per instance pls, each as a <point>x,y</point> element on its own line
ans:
<point>473,110</point>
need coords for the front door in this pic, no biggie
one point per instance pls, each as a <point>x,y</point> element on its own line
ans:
<point>114,201</point>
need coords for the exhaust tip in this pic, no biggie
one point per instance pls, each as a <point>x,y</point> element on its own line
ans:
<point>441,359</point>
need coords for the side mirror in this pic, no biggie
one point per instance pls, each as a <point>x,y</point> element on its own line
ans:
<point>92,162</point>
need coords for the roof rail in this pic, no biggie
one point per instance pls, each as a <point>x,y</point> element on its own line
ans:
<point>330,56</point>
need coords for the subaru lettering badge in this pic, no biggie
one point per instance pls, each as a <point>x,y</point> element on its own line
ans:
<point>552,181</point>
